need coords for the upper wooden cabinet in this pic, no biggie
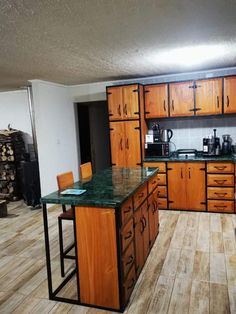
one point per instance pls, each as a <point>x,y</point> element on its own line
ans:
<point>156,101</point>
<point>125,143</point>
<point>181,99</point>
<point>123,102</point>
<point>230,94</point>
<point>208,99</point>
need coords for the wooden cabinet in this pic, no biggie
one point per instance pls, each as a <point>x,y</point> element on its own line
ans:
<point>125,143</point>
<point>183,177</point>
<point>161,181</point>
<point>156,101</point>
<point>230,94</point>
<point>220,187</point>
<point>153,216</point>
<point>123,102</point>
<point>208,99</point>
<point>181,99</point>
<point>141,225</point>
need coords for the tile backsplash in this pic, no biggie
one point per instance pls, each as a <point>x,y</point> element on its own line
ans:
<point>188,133</point>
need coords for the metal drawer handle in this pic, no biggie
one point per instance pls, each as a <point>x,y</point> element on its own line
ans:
<point>130,260</point>
<point>221,193</point>
<point>128,235</point>
<point>141,195</point>
<point>142,225</point>
<point>220,206</point>
<point>132,284</point>
<point>220,167</point>
<point>119,111</point>
<point>154,182</point>
<point>220,181</point>
<point>128,210</point>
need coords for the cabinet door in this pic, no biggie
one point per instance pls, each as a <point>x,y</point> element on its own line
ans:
<point>153,217</point>
<point>115,103</point>
<point>138,232</point>
<point>181,99</point>
<point>130,102</point>
<point>145,219</point>
<point>196,186</point>
<point>132,143</point>
<point>117,140</point>
<point>209,97</point>
<point>229,94</point>
<point>177,185</point>
<point>156,101</point>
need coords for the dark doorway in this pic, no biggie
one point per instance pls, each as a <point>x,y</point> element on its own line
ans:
<point>94,134</point>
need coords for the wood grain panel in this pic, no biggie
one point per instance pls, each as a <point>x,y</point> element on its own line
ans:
<point>220,193</point>
<point>156,101</point>
<point>220,206</point>
<point>220,180</point>
<point>96,242</point>
<point>181,99</point>
<point>229,94</point>
<point>220,167</point>
<point>115,103</point>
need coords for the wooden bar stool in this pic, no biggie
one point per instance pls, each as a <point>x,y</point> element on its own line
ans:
<point>64,180</point>
<point>86,170</point>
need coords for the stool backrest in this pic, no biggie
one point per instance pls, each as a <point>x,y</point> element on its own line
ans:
<point>64,180</point>
<point>86,170</point>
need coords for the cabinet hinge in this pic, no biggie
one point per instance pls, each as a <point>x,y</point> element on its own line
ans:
<point>136,112</point>
<point>110,114</point>
<point>195,109</point>
<point>113,164</point>
<point>169,168</point>
<point>147,112</point>
<point>203,169</point>
<point>109,93</point>
<point>135,90</point>
<point>138,163</point>
<point>170,201</point>
<point>137,128</point>
<point>147,91</point>
<point>194,86</point>
<point>111,129</point>
<point>203,203</point>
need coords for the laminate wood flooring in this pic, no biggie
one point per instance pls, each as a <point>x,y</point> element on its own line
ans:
<point>191,268</point>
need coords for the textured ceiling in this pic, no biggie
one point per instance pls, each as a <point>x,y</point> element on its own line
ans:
<point>78,41</point>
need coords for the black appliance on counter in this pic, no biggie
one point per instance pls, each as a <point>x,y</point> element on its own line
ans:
<point>226,145</point>
<point>158,149</point>
<point>211,145</point>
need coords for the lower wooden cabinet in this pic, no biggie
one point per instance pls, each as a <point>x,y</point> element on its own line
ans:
<point>186,185</point>
<point>153,216</point>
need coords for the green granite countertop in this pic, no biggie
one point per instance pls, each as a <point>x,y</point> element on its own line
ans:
<point>197,158</point>
<point>107,188</point>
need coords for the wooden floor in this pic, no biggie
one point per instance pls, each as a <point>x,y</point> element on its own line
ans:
<point>191,269</point>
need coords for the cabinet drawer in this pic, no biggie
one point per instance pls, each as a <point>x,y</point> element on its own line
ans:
<point>160,165</point>
<point>128,259</point>
<point>161,177</point>
<point>162,203</point>
<point>152,183</point>
<point>126,211</point>
<point>220,180</point>
<point>127,234</point>
<point>220,193</point>
<point>129,284</point>
<point>140,196</point>
<point>220,167</point>
<point>161,191</point>
<point>221,206</point>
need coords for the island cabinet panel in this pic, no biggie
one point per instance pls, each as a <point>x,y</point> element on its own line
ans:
<point>153,217</point>
<point>181,99</point>
<point>125,143</point>
<point>183,178</point>
<point>141,225</point>
<point>123,102</point>
<point>229,94</point>
<point>97,256</point>
<point>209,97</point>
<point>156,101</point>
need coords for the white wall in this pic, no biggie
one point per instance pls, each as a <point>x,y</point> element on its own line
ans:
<point>55,122</point>
<point>14,109</point>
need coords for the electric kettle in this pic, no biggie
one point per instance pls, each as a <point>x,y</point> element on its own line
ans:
<point>166,135</point>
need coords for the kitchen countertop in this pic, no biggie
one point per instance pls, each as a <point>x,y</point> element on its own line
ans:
<point>196,158</point>
<point>107,188</point>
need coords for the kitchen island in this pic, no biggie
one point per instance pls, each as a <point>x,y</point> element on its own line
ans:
<point>115,226</point>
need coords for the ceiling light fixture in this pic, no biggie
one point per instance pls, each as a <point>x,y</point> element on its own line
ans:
<point>191,56</point>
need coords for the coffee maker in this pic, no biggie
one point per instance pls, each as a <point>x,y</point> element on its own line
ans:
<point>226,145</point>
<point>211,145</point>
